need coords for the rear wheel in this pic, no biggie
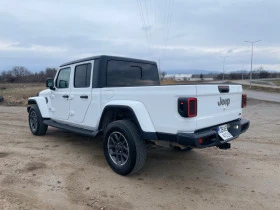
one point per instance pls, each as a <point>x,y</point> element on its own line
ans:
<point>124,149</point>
<point>36,125</point>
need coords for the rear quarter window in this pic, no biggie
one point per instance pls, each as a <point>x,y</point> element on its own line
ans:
<point>82,75</point>
<point>125,73</point>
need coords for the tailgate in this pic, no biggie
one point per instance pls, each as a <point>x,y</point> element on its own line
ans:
<point>215,107</point>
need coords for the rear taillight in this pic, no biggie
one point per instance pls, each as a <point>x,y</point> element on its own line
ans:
<point>244,101</point>
<point>187,107</point>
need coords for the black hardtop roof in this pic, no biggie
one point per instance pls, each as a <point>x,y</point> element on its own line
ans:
<point>107,57</point>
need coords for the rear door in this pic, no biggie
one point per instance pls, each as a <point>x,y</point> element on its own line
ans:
<point>217,104</point>
<point>80,96</point>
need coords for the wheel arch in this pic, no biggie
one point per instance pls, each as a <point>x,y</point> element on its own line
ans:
<point>42,105</point>
<point>136,112</point>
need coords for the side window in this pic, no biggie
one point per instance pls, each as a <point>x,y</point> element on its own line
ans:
<point>62,80</point>
<point>82,75</point>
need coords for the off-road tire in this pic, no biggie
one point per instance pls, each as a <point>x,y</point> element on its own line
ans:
<point>125,132</point>
<point>36,125</point>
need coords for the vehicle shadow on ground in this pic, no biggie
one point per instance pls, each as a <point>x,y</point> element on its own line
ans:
<point>161,161</point>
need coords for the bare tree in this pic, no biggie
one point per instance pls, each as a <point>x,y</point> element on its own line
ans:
<point>20,71</point>
<point>50,72</point>
<point>162,75</point>
<point>201,76</point>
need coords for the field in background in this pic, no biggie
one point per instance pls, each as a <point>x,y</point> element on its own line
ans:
<point>256,85</point>
<point>262,88</point>
<point>276,82</point>
<point>16,94</point>
<point>172,82</point>
<point>266,85</point>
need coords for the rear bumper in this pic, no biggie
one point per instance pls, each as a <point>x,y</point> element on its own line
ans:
<point>210,135</point>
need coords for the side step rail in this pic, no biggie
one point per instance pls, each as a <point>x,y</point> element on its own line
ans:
<point>70,128</point>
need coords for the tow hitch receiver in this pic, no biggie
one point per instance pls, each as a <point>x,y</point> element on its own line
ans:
<point>224,146</point>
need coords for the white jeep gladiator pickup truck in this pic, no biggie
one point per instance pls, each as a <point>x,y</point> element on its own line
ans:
<point>122,99</point>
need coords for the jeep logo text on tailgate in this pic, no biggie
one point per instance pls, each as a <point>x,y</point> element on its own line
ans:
<point>225,101</point>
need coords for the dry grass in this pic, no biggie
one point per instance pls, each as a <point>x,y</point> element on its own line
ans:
<point>167,82</point>
<point>16,94</point>
<point>276,82</point>
<point>172,82</point>
<point>274,89</point>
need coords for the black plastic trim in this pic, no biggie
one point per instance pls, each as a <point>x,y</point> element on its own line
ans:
<point>30,101</point>
<point>191,139</point>
<point>167,137</point>
<point>223,88</point>
<point>245,124</point>
<point>95,74</point>
<point>105,57</point>
<point>73,129</point>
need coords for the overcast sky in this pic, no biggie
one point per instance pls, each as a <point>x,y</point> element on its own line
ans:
<point>183,34</point>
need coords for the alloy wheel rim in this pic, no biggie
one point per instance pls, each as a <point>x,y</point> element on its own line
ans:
<point>118,148</point>
<point>33,121</point>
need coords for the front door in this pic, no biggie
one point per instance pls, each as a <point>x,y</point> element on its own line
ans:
<point>80,96</point>
<point>60,96</point>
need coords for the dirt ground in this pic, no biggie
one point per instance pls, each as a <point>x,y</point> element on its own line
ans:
<point>67,171</point>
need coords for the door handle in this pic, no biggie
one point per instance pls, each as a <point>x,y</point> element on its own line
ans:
<point>83,96</point>
<point>65,96</point>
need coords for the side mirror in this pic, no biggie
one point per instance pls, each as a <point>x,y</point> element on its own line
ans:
<point>50,83</point>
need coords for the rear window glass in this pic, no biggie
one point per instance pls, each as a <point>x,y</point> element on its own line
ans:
<point>125,73</point>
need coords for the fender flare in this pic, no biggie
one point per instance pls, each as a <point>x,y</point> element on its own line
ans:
<point>42,105</point>
<point>140,113</point>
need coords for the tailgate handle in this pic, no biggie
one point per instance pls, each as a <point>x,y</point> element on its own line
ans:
<point>223,89</point>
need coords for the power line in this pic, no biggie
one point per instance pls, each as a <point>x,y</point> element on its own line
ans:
<point>169,21</point>
<point>145,10</point>
<point>148,27</point>
<point>164,27</point>
<point>155,24</point>
<point>155,14</point>
<point>143,23</point>
<point>168,12</point>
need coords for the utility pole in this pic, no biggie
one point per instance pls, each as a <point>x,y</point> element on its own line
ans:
<point>159,65</point>
<point>224,66</point>
<point>252,52</point>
